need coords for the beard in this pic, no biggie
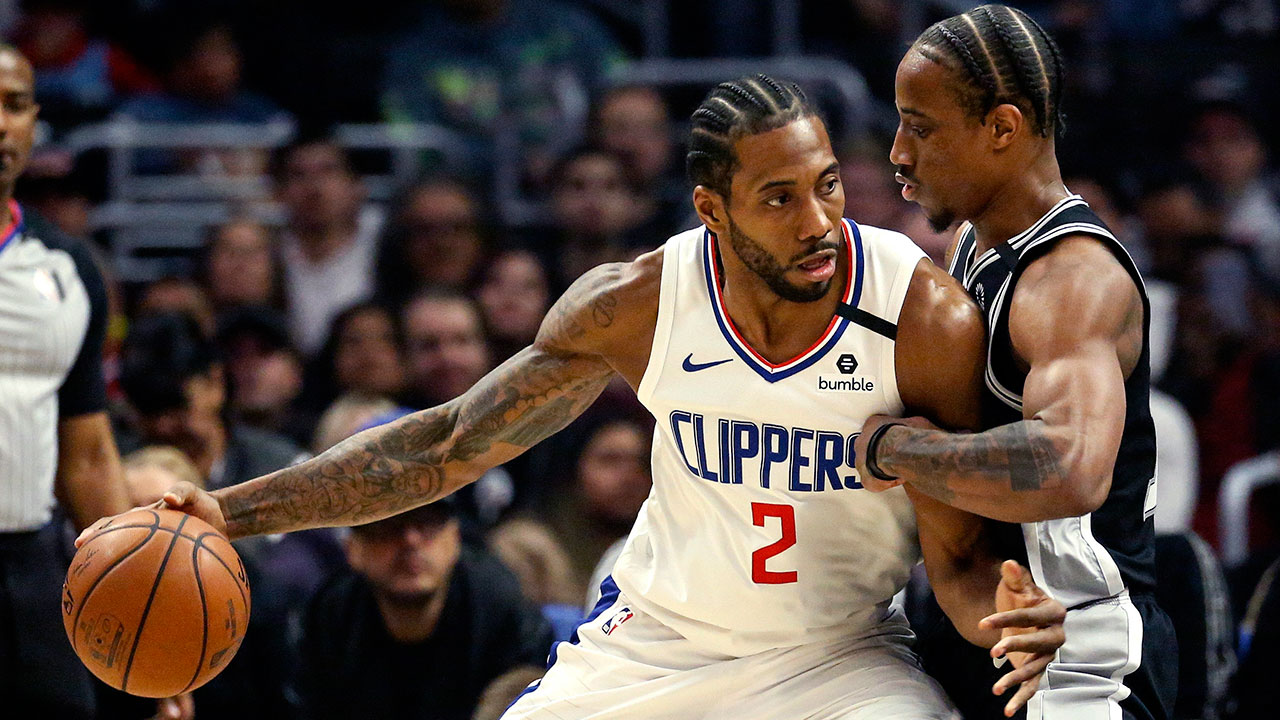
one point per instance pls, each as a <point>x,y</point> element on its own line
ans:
<point>940,220</point>
<point>764,265</point>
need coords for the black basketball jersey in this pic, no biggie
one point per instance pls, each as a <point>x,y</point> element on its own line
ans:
<point>1079,559</point>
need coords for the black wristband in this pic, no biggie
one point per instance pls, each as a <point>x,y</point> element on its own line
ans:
<point>872,442</point>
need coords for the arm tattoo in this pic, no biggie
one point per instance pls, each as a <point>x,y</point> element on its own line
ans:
<point>373,474</point>
<point>429,454</point>
<point>1019,456</point>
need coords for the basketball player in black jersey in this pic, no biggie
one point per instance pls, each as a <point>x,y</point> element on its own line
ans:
<point>1068,459</point>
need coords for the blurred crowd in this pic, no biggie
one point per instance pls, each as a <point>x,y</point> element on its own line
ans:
<point>277,339</point>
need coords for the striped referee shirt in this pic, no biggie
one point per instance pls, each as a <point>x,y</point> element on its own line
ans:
<point>53,312</point>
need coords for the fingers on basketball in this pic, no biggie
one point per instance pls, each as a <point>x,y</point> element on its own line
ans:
<point>156,602</point>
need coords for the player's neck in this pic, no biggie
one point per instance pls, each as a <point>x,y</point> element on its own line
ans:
<point>1019,203</point>
<point>774,327</point>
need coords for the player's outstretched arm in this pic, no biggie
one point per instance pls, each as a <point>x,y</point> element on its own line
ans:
<point>1076,319</point>
<point>429,454</point>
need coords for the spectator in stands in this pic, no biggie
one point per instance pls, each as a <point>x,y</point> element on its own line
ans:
<point>597,212</point>
<point>1255,693</point>
<point>79,77</point>
<point>1192,590</point>
<point>530,550</point>
<point>363,354</point>
<point>201,70</point>
<point>514,294</point>
<point>634,122</point>
<point>264,372</point>
<point>470,64</point>
<point>1177,225</point>
<point>348,415</point>
<point>872,196</point>
<point>1225,148</point>
<point>1102,201</point>
<point>611,481</point>
<point>445,348</point>
<point>174,378</point>
<point>418,628</point>
<point>57,185</point>
<point>239,266</point>
<point>435,237</point>
<point>1228,383</point>
<point>177,294</point>
<point>151,470</point>
<point>330,237</point>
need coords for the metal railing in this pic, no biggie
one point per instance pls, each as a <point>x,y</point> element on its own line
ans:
<point>167,183</point>
<point>1238,486</point>
<point>846,84</point>
<point>160,203</point>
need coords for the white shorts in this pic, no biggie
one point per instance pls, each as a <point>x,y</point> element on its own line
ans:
<point>624,664</point>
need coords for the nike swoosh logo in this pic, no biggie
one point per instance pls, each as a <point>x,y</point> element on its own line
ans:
<point>690,366</point>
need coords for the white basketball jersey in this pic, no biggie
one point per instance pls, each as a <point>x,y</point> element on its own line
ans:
<point>757,533</point>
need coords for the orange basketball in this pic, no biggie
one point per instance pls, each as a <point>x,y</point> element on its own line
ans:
<point>156,602</point>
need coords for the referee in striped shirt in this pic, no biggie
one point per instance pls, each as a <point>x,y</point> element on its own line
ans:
<point>55,437</point>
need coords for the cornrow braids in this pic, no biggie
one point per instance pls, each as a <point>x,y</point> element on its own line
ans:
<point>733,110</point>
<point>1002,56</point>
<point>1054,73</point>
<point>1024,78</point>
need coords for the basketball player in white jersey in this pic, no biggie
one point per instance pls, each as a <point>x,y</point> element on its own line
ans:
<point>757,580</point>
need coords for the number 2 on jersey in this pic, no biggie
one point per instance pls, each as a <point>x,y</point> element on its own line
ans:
<point>787,516</point>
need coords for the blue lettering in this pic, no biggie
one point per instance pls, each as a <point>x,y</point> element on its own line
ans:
<point>799,459</point>
<point>700,443</point>
<point>677,417</point>
<point>830,458</point>
<point>851,459</point>
<point>723,434</point>
<point>775,450</point>
<point>746,444</point>
<point>814,460</point>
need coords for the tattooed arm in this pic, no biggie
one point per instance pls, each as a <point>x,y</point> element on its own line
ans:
<point>995,607</point>
<point>603,324</point>
<point>1076,321</point>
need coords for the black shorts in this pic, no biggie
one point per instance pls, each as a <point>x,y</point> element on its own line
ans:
<point>39,672</point>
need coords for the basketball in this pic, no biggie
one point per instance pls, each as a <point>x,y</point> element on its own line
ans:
<point>156,602</point>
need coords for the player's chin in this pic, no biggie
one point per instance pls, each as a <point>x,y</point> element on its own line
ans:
<point>939,219</point>
<point>802,289</point>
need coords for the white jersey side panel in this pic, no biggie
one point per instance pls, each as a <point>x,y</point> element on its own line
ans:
<point>757,533</point>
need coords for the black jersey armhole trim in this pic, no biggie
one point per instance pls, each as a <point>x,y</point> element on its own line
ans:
<point>871,322</point>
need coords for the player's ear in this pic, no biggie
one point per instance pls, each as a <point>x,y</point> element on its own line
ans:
<point>1005,122</point>
<point>709,205</point>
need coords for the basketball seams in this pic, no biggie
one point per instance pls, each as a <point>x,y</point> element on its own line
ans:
<point>200,544</point>
<point>84,601</point>
<point>157,528</point>
<point>146,609</point>
<point>196,546</point>
<point>240,586</point>
<point>98,582</point>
